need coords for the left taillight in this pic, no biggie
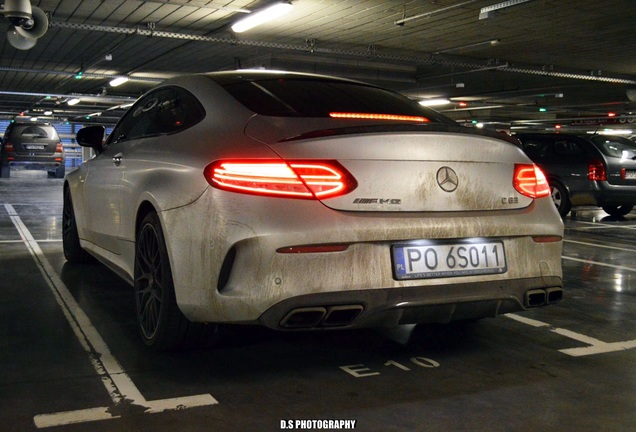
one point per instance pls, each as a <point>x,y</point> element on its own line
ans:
<point>291,179</point>
<point>529,180</point>
<point>596,171</point>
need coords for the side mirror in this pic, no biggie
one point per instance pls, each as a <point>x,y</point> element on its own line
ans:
<point>92,136</point>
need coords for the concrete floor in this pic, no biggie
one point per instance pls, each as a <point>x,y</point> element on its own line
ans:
<point>69,352</point>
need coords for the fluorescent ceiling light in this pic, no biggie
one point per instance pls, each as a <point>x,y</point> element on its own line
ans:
<point>73,101</point>
<point>613,132</point>
<point>257,18</point>
<point>434,102</point>
<point>118,81</point>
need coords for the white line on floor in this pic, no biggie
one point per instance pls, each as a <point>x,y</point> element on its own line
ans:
<point>614,266</point>
<point>596,245</point>
<point>118,384</point>
<point>595,346</point>
<point>598,225</point>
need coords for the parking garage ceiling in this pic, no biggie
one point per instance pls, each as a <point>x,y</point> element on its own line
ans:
<point>509,64</point>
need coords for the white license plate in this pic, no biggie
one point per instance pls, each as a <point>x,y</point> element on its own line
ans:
<point>437,260</point>
<point>34,147</point>
<point>630,174</point>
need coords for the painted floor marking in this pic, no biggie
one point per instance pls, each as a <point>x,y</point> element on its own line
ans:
<point>595,346</point>
<point>38,241</point>
<point>614,266</point>
<point>598,225</point>
<point>118,384</point>
<point>596,245</point>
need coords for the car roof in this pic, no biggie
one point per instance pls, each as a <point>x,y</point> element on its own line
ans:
<point>231,77</point>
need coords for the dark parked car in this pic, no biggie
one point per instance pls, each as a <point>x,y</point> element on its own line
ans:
<point>598,170</point>
<point>35,146</point>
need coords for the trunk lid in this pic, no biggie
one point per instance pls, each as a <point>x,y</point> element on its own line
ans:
<point>400,168</point>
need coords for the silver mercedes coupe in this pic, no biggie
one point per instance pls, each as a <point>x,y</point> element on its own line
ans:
<point>298,202</point>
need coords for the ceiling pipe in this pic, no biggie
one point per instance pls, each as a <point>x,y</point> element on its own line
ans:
<point>84,74</point>
<point>453,61</point>
<point>404,20</point>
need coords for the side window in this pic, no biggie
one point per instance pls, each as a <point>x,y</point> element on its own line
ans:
<point>535,148</point>
<point>167,110</point>
<point>568,148</point>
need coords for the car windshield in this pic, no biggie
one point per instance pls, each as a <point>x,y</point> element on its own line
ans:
<point>303,97</point>
<point>615,146</point>
<point>33,131</point>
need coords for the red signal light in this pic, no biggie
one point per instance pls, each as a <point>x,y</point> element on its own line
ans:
<point>529,180</point>
<point>596,171</point>
<point>292,179</point>
<point>371,116</point>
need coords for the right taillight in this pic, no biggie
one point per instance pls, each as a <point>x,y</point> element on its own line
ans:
<point>529,180</point>
<point>596,171</point>
<point>291,179</point>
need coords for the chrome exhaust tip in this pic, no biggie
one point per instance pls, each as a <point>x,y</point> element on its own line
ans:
<point>536,297</point>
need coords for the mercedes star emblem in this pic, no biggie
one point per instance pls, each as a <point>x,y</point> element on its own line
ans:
<point>447,179</point>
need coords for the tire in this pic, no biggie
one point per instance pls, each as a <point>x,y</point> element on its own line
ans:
<point>560,198</point>
<point>618,210</point>
<point>60,171</point>
<point>73,251</point>
<point>161,324</point>
<point>5,171</point>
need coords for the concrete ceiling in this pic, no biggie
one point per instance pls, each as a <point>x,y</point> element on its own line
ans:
<point>575,58</point>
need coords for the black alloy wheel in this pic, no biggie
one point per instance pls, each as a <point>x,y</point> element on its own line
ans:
<point>161,324</point>
<point>73,251</point>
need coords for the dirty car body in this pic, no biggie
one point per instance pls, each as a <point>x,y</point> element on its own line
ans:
<point>307,202</point>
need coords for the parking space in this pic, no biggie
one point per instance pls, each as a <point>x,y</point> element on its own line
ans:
<point>71,359</point>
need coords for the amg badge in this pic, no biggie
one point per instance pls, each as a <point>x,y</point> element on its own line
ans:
<point>392,201</point>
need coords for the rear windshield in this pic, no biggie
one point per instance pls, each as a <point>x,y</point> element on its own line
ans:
<point>33,131</point>
<point>295,97</point>
<point>615,146</point>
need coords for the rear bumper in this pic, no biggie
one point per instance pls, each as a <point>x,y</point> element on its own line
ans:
<point>412,305</point>
<point>226,271</point>
<point>604,193</point>
<point>34,162</point>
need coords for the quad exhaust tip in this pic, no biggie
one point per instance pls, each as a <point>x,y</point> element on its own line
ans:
<point>327,316</point>
<point>540,297</point>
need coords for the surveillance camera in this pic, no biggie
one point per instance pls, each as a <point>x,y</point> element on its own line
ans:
<point>17,10</point>
<point>27,23</point>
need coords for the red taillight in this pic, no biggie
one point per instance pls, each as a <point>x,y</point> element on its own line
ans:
<point>530,181</point>
<point>8,146</point>
<point>59,148</point>
<point>547,239</point>
<point>596,171</point>
<point>371,116</point>
<point>293,179</point>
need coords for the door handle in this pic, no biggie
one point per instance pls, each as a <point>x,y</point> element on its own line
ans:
<point>117,159</point>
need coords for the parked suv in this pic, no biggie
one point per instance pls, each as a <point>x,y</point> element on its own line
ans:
<point>582,170</point>
<point>32,146</point>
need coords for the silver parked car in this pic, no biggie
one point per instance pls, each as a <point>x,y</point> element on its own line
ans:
<point>298,201</point>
